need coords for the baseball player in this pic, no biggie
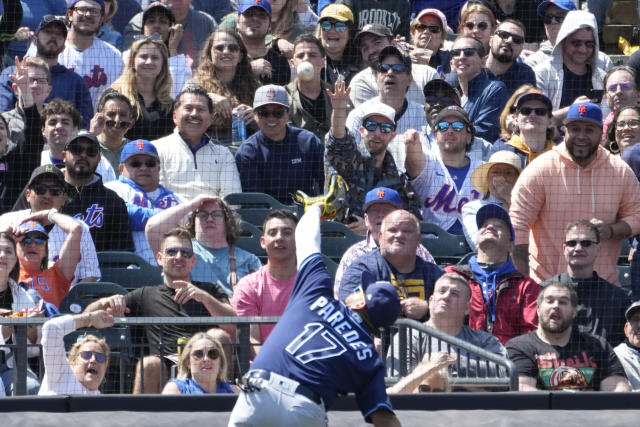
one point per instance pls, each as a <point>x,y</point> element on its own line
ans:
<point>319,348</point>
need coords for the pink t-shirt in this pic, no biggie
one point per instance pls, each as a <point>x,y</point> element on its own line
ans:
<point>259,294</point>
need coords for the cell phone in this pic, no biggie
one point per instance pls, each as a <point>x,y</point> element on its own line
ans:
<point>596,95</point>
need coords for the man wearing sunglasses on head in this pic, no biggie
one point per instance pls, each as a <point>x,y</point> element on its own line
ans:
<point>505,47</point>
<point>601,305</point>
<point>177,297</point>
<point>139,186</point>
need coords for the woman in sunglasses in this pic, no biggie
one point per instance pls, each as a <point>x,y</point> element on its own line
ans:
<point>86,365</point>
<point>147,82</point>
<point>336,31</point>
<point>428,31</point>
<point>225,72</point>
<point>202,368</point>
<point>477,21</point>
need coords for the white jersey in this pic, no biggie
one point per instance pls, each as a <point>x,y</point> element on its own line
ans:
<point>88,265</point>
<point>99,65</point>
<point>104,169</point>
<point>412,118</point>
<point>441,201</point>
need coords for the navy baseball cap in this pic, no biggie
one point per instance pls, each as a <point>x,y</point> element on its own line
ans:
<point>47,20</point>
<point>139,146</point>
<point>156,6</point>
<point>632,308</point>
<point>100,2</point>
<point>533,94</point>
<point>381,300</point>
<point>382,195</point>
<point>492,210</point>
<point>50,170</point>
<point>248,4</point>
<point>376,29</point>
<point>584,111</point>
<point>562,4</point>
<point>398,53</point>
<point>31,227</point>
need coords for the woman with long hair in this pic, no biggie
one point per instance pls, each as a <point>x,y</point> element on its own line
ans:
<point>624,131</point>
<point>146,81</point>
<point>477,21</point>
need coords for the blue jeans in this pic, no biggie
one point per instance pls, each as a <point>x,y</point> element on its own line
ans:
<point>6,374</point>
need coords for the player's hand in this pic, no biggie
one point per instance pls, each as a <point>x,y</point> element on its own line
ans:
<point>186,291</point>
<point>340,96</point>
<point>261,67</point>
<point>414,308</point>
<point>117,306</point>
<point>101,319</point>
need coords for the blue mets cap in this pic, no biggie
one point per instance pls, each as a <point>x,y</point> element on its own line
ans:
<point>584,111</point>
<point>562,4</point>
<point>382,195</point>
<point>32,226</point>
<point>381,300</point>
<point>492,210</point>
<point>139,146</point>
<point>248,4</point>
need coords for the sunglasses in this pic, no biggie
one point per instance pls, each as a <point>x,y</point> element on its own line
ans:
<point>265,113</point>
<point>432,100</point>
<point>231,47</point>
<point>371,126</point>
<point>550,17</point>
<point>504,35</point>
<point>482,25</point>
<point>87,355</point>
<point>396,68</point>
<point>525,111</point>
<point>587,43</point>
<point>184,252</point>
<point>467,51</point>
<point>583,243</point>
<point>204,215</point>
<point>78,149</point>
<point>114,124</point>
<point>211,354</point>
<point>622,86</point>
<point>444,126</point>
<point>433,29</point>
<point>339,26</point>
<point>632,124</point>
<point>138,163</point>
<point>41,189</point>
<point>37,240</point>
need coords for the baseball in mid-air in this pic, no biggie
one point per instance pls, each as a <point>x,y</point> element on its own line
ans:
<point>304,71</point>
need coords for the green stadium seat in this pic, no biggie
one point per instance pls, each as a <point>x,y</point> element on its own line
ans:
<point>128,270</point>
<point>254,207</point>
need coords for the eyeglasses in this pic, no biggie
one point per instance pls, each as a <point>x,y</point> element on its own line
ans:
<point>631,124</point>
<point>204,215</point>
<point>433,29</point>
<point>396,68</point>
<point>41,189</point>
<point>184,252</point>
<point>482,25</point>
<point>37,240</point>
<point>550,17</point>
<point>154,36</point>
<point>265,113</point>
<point>525,111</point>
<point>432,100</point>
<point>212,354</point>
<point>504,35</point>
<point>622,86</point>
<point>583,243</point>
<point>444,126</point>
<point>87,355</point>
<point>339,26</point>
<point>231,47</point>
<point>114,124</point>
<point>576,43</point>
<point>467,51</point>
<point>88,11</point>
<point>38,81</point>
<point>78,149</point>
<point>151,163</point>
<point>371,126</point>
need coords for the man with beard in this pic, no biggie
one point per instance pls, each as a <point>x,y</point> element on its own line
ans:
<point>505,47</point>
<point>574,181</point>
<point>629,351</point>
<point>557,356</point>
<point>49,40</point>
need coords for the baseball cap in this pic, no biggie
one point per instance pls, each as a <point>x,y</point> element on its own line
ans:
<point>492,210</point>
<point>32,226</point>
<point>438,85</point>
<point>456,111</point>
<point>339,12</point>
<point>398,53</point>
<point>139,146</point>
<point>436,13</point>
<point>79,135</point>
<point>480,175</point>
<point>377,29</point>
<point>50,170</point>
<point>632,308</point>
<point>47,20</point>
<point>533,94</point>
<point>381,300</point>
<point>584,111</point>
<point>248,4</point>
<point>271,94</point>
<point>100,2</point>
<point>156,6</point>
<point>377,108</point>
<point>382,195</point>
<point>562,4</point>
<point>632,156</point>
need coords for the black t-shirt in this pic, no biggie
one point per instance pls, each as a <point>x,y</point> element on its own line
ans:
<point>591,355</point>
<point>157,301</point>
<point>6,298</point>
<point>574,86</point>
<point>280,70</point>
<point>153,123</point>
<point>315,107</point>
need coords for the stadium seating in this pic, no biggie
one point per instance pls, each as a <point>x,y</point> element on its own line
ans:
<point>254,207</point>
<point>128,269</point>
<point>336,238</point>
<point>445,248</point>
<point>84,293</point>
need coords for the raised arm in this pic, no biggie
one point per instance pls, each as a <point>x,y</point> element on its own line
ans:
<point>430,365</point>
<point>308,233</point>
<point>415,160</point>
<point>340,104</point>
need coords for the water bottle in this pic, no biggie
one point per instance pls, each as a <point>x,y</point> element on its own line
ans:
<point>238,129</point>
